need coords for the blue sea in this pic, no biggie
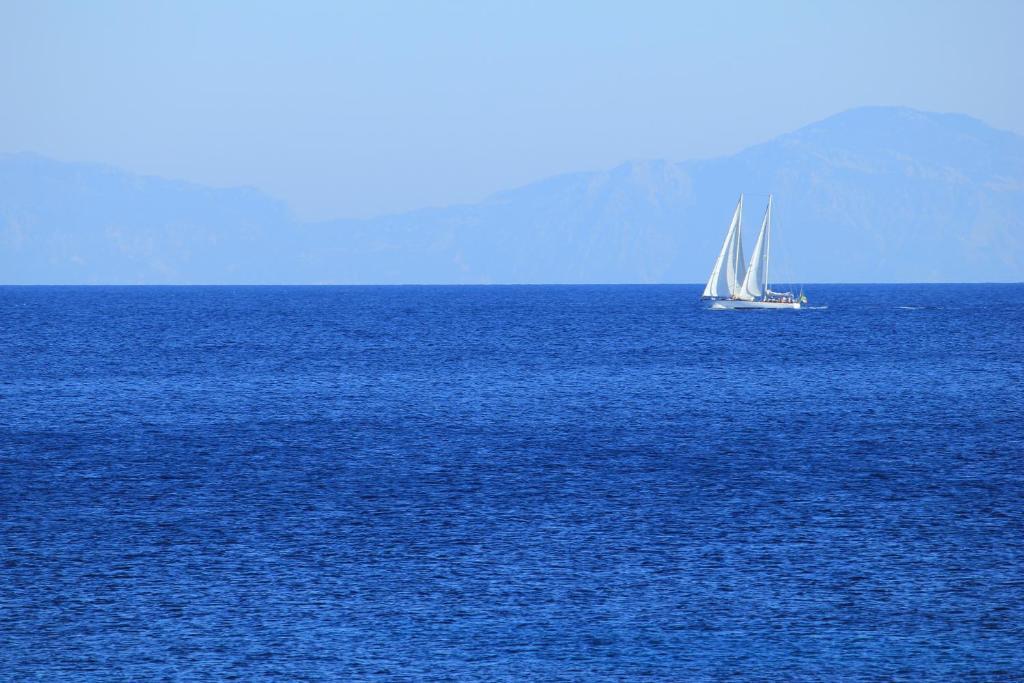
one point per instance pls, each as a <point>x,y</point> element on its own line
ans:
<point>580,483</point>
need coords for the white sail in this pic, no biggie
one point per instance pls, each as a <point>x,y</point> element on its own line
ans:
<point>755,283</point>
<point>727,275</point>
<point>736,268</point>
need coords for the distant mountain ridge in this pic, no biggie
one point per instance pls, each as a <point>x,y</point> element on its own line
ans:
<point>875,194</point>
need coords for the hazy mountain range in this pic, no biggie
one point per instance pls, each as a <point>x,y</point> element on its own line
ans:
<point>874,194</point>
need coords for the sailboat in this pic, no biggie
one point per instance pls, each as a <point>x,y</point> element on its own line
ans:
<point>731,286</point>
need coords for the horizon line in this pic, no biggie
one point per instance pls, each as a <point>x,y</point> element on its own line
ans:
<point>503,284</point>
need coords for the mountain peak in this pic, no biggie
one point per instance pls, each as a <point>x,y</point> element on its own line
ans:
<point>889,123</point>
<point>888,134</point>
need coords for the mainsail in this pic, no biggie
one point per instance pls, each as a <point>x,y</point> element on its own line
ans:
<point>727,275</point>
<point>755,283</point>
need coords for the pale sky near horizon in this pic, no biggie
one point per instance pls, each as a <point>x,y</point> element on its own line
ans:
<point>357,109</point>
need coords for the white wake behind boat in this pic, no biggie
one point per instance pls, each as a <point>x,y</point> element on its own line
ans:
<point>731,286</point>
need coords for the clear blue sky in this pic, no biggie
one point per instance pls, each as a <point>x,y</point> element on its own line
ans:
<point>347,109</point>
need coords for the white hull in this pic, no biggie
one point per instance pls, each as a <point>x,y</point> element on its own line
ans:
<point>740,305</point>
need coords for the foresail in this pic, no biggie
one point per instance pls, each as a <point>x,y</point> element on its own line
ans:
<point>726,275</point>
<point>737,269</point>
<point>755,283</point>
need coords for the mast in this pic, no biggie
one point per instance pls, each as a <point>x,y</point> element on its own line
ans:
<point>767,246</point>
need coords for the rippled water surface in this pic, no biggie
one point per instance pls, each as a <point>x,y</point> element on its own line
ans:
<point>510,483</point>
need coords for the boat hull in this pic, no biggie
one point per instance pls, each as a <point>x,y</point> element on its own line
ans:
<point>740,305</point>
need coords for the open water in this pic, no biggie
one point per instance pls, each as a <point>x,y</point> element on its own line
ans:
<point>510,483</point>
